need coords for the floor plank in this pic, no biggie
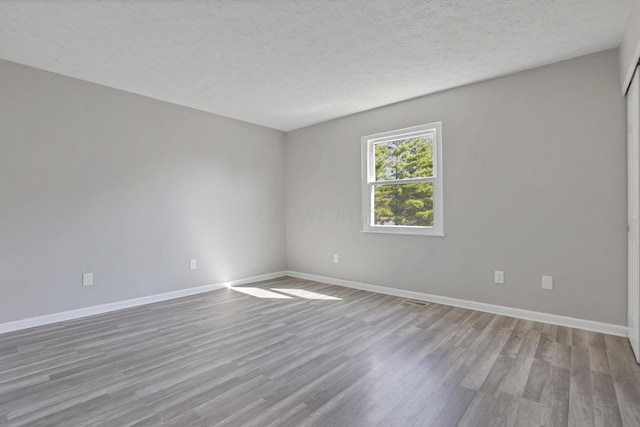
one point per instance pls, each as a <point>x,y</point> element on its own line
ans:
<point>313,354</point>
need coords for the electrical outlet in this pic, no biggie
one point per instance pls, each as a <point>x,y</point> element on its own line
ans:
<point>498,276</point>
<point>87,279</point>
<point>193,264</point>
<point>336,259</point>
<point>547,282</point>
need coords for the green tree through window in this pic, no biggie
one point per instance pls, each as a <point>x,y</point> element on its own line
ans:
<point>409,204</point>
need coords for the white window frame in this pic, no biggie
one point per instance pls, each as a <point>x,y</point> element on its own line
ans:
<point>369,179</point>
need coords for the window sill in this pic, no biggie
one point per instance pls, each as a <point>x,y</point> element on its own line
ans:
<point>404,232</point>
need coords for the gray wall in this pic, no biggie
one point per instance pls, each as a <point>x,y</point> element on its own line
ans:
<point>534,184</point>
<point>97,180</point>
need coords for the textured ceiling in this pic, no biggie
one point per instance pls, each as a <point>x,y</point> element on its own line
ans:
<point>291,63</point>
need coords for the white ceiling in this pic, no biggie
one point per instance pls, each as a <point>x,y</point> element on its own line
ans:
<point>291,63</point>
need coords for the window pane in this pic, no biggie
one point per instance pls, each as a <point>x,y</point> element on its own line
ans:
<point>406,158</point>
<point>404,204</point>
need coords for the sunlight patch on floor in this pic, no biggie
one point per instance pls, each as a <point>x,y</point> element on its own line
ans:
<point>302,293</point>
<point>283,293</point>
<point>260,293</point>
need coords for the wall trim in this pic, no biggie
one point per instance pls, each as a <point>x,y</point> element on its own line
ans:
<point>554,319</point>
<point>47,319</point>
<point>632,69</point>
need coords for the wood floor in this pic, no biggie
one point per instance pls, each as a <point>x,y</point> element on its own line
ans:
<point>280,353</point>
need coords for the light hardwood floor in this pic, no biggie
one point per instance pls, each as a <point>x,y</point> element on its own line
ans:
<point>271,354</point>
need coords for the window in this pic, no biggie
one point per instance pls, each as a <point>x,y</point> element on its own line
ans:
<point>402,181</point>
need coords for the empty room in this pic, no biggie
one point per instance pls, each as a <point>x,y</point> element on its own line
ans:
<point>319,213</point>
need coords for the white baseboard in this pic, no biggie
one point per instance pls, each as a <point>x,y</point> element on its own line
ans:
<point>554,319</point>
<point>47,319</point>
